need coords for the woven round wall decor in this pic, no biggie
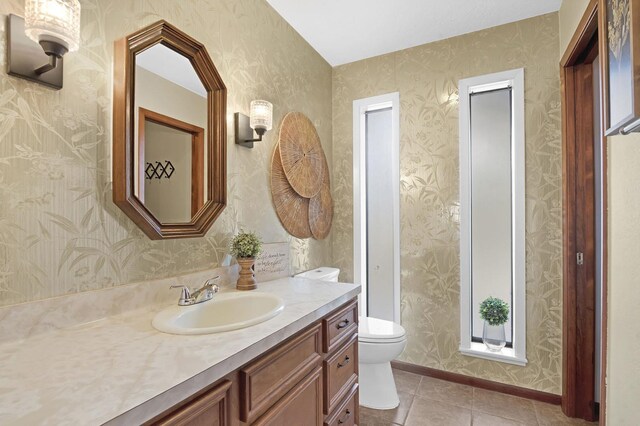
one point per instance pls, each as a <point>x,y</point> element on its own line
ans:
<point>301,153</point>
<point>291,208</point>
<point>321,208</point>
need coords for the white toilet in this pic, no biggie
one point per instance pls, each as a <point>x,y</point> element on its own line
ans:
<point>379,342</point>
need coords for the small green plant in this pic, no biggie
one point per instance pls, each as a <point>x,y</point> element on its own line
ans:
<point>246,244</point>
<point>494,311</point>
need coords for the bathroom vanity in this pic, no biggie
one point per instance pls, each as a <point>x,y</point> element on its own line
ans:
<point>310,379</point>
<point>73,360</point>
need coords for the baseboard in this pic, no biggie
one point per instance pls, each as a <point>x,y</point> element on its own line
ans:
<point>549,398</point>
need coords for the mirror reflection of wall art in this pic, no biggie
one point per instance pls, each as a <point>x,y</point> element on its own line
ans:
<point>169,124</point>
<point>620,61</point>
<point>159,170</point>
<point>300,181</point>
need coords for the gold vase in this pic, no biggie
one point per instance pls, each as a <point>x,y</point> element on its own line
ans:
<point>247,279</point>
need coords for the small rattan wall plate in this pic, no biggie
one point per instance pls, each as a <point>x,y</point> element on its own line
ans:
<point>321,208</point>
<point>291,208</point>
<point>301,153</point>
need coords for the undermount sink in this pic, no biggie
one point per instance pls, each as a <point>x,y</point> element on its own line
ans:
<point>225,312</point>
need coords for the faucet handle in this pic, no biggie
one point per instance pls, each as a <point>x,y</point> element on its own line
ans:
<point>185,294</point>
<point>211,284</point>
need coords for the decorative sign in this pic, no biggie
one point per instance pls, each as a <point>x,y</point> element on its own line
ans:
<point>273,262</point>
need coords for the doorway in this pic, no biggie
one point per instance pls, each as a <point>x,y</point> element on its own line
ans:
<point>584,225</point>
<point>376,205</point>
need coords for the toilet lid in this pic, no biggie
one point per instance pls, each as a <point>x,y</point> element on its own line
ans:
<point>374,329</point>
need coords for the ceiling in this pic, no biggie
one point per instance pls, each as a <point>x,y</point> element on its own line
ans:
<point>344,31</point>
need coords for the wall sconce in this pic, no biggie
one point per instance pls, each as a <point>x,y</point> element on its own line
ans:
<point>55,26</point>
<point>261,121</point>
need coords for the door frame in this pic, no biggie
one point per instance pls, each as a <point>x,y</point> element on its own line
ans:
<point>578,376</point>
<point>360,108</point>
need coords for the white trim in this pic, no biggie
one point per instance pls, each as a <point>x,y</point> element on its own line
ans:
<point>487,87</point>
<point>515,80</point>
<point>360,107</point>
<point>479,350</point>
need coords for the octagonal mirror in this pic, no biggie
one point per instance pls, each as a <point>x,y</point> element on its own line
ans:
<point>169,148</point>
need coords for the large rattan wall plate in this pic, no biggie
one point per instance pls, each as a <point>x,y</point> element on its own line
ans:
<point>321,208</point>
<point>291,208</point>
<point>301,190</point>
<point>302,157</point>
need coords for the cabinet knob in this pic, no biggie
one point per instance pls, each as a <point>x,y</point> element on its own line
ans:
<point>345,362</point>
<point>346,416</point>
<point>342,324</point>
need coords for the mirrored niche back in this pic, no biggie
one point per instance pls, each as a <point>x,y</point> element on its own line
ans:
<point>169,133</point>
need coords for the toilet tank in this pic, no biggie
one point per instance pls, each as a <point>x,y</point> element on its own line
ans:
<point>324,273</point>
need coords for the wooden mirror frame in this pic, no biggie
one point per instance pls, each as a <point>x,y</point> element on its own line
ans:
<point>124,168</point>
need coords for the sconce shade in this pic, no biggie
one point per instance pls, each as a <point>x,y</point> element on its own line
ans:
<point>56,21</point>
<point>261,116</point>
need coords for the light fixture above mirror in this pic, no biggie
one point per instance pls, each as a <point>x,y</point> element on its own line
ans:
<point>260,121</point>
<point>55,26</point>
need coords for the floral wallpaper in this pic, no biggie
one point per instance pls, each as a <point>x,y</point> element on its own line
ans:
<point>59,231</point>
<point>426,78</point>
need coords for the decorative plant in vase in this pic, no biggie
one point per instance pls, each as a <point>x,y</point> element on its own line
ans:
<point>495,313</point>
<point>245,246</point>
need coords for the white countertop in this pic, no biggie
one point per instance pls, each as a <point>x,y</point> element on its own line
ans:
<point>120,370</point>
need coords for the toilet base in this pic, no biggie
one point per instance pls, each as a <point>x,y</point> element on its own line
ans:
<point>377,387</point>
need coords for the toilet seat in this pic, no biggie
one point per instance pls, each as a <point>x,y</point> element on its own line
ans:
<point>381,341</point>
<point>374,330</point>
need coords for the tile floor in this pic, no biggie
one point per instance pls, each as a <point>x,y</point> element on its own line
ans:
<point>427,401</point>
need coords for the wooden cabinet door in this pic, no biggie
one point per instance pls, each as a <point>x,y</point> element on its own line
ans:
<point>302,406</point>
<point>212,408</point>
<point>269,378</point>
<point>339,326</point>
<point>340,374</point>
<point>348,413</point>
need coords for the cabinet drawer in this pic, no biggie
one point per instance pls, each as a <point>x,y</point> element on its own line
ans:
<point>347,413</point>
<point>266,380</point>
<point>212,408</point>
<point>302,406</point>
<point>338,327</point>
<point>340,374</point>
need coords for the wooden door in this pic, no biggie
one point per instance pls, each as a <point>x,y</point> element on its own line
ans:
<point>580,258</point>
<point>579,221</point>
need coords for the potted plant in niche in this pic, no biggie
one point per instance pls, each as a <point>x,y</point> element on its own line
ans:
<point>245,246</point>
<point>495,313</point>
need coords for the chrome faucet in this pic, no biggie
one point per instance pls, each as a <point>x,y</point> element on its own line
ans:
<point>204,293</point>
